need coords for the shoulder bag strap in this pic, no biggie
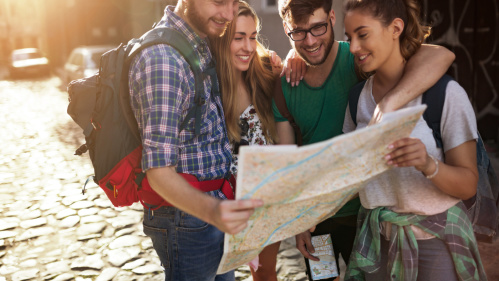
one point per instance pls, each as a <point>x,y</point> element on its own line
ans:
<point>280,102</point>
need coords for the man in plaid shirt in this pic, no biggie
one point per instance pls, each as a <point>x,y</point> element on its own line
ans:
<point>187,236</point>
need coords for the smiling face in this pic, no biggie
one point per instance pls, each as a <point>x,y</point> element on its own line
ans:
<point>374,46</point>
<point>314,50</point>
<point>243,45</point>
<point>210,17</point>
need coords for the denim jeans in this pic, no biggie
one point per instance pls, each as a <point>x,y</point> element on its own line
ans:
<point>189,249</point>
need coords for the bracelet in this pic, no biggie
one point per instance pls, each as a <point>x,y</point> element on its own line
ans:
<point>436,170</point>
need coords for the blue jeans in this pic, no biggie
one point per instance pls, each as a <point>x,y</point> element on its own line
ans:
<point>189,249</point>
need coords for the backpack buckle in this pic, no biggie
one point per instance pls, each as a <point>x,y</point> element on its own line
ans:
<point>95,124</point>
<point>201,101</point>
<point>82,149</point>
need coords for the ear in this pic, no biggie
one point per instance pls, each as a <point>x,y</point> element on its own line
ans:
<point>397,26</point>
<point>333,17</point>
<point>285,27</point>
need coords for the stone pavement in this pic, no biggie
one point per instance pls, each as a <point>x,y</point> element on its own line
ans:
<point>50,231</point>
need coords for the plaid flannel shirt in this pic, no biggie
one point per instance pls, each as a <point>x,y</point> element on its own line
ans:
<point>452,226</point>
<point>162,93</point>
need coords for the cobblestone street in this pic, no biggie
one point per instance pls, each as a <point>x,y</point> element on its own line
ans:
<point>50,231</point>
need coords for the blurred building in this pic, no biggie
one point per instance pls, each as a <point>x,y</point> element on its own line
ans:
<point>469,28</point>
<point>4,31</point>
<point>21,25</point>
<point>58,26</point>
<point>96,22</point>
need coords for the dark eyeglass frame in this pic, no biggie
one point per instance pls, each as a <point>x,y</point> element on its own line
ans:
<point>307,31</point>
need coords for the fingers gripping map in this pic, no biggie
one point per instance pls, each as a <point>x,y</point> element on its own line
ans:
<point>302,186</point>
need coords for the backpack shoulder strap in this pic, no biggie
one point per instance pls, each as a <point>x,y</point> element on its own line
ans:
<point>353,99</point>
<point>434,98</point>
<point>178,41</point>
<point>168,36</point>
<point>280,102</point>
<point>483,207</point>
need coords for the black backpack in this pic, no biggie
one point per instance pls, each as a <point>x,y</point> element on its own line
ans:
<point>100,105</point>
<point>483,207</point>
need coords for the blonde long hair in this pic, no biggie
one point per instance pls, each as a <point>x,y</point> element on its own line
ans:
<point>258,79</point>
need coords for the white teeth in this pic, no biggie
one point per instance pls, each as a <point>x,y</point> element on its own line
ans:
<point>219,22</point>
<point>362,57</point>
<point>244,57</point>
<point>312,50</point>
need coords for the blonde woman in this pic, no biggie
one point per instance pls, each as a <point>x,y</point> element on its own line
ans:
<point>247,73</point>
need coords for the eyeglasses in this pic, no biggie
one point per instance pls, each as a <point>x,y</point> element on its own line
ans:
<point>244,126</point>
<point>318,30</point>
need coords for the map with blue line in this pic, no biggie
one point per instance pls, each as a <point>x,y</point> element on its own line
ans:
<point>302,186</point>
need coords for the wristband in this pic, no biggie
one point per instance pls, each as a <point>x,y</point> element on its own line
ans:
<point>436,169</point>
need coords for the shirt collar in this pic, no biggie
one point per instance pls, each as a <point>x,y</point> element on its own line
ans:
<point>172,20</point>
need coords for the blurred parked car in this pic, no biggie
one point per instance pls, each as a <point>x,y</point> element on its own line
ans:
<point>84,61</point>
<point>26,62</point>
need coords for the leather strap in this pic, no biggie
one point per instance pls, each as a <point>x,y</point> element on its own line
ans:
<point>280,102</point>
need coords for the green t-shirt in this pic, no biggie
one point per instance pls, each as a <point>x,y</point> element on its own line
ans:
<point>320,111</point>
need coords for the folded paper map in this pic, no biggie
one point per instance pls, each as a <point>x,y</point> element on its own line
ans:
<point>302,186</point>
<point>326,267</point>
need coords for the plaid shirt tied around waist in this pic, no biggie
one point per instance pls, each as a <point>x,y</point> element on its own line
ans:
<point>452,226</point>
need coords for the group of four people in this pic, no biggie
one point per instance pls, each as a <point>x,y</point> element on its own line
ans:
<point>385,46</point>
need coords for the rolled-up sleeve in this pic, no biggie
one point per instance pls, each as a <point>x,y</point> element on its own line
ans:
<point>458,123</point>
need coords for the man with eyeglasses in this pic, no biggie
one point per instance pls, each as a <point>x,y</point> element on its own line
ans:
<point>318,103</point>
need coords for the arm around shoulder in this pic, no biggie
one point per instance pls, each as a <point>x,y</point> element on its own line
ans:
<point>422,71</point>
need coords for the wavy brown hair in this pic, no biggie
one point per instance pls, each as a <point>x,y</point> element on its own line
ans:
<point>386,11</point>
<point>298,11</point>
<point>258,79</point>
